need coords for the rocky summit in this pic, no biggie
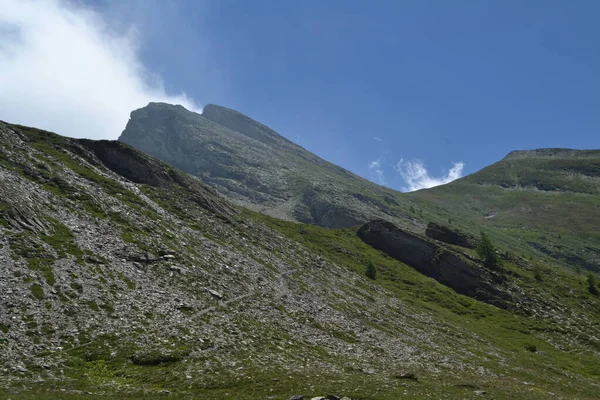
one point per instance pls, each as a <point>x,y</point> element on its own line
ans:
<point>195,258</point>
<point>257,168</point>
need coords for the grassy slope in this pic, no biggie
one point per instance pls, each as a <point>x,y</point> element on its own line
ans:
<point>505,200</point>
<point>503,340</point>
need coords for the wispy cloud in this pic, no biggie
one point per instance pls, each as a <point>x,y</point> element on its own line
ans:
<point>64,69</point>
<point>417,177</point>
<point>377,139</point>
<point>376,172</point>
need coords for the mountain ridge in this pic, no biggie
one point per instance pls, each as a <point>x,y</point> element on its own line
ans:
<point>257,168</point>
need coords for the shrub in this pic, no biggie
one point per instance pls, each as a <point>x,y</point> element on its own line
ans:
<point>591,283</point>
<point>371,271</point>
<point>487,252</point>
<point>537,273</point>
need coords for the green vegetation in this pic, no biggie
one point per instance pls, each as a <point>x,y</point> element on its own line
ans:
<point>537,273</point>
<point>591,284</point>
<point>487,252</point>
<point>37,292</point>
<point>529,203</point>
<point>57,148</point>
<point>552,350</point>
<point>371,271</point>
<point>62,240</point>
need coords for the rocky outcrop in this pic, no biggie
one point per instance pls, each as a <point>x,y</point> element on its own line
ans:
<point>432,258</point>
<point>451,236</point>
<point>138,167</point>
<point>130,163</point>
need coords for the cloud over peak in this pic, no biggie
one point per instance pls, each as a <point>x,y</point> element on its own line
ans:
<point>63,69</point>
<point>376,172</point>
<point>417,177</point>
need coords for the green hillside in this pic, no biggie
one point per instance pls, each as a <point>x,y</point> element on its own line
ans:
<point>542,203</point>
<point>126,278</point>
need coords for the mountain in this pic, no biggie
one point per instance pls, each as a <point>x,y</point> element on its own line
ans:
<point>544,202</point>
<point>256,167</point>
<point>547,200</point>
<point>125,277</point>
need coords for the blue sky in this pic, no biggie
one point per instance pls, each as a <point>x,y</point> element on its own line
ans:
<point>358,82</point>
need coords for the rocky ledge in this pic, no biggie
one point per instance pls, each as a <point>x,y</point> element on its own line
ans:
<point>458,270</point>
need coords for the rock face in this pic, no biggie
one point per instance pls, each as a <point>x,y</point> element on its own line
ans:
<point>257,168</point>
<point>435,260</point>
<point>451,236</point>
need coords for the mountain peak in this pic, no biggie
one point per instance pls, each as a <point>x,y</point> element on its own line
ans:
<point>167,106</point>
<point>255,166</point>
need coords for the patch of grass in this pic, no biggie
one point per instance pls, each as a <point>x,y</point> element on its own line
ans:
<point>62,240</point>
<point>36,291</point>
<point>24,245</point>
<point>130,284</point>
<point>44,265</point>
<point>93,305</point>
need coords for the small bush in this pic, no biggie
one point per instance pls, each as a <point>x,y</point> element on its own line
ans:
<point>371,271</point>
<point>591,284</point>
<point>537,273</point>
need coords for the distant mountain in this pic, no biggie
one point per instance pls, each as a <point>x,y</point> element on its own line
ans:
<point>545,199</point>
<point>256,167</point>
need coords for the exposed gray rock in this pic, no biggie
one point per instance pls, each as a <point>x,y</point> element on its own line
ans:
<point>406,375</point>
<point>450,235</point>
<point>252,165</point>
<point>431,258</point>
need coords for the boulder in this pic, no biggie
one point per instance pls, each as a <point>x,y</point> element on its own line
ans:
<point>437,261</point>
<point>406,375</point>
<point>451,236</point>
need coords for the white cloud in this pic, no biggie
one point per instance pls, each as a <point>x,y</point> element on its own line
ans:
<point>416,177</point>
<point>376,172</point>
<point>63,69</point>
